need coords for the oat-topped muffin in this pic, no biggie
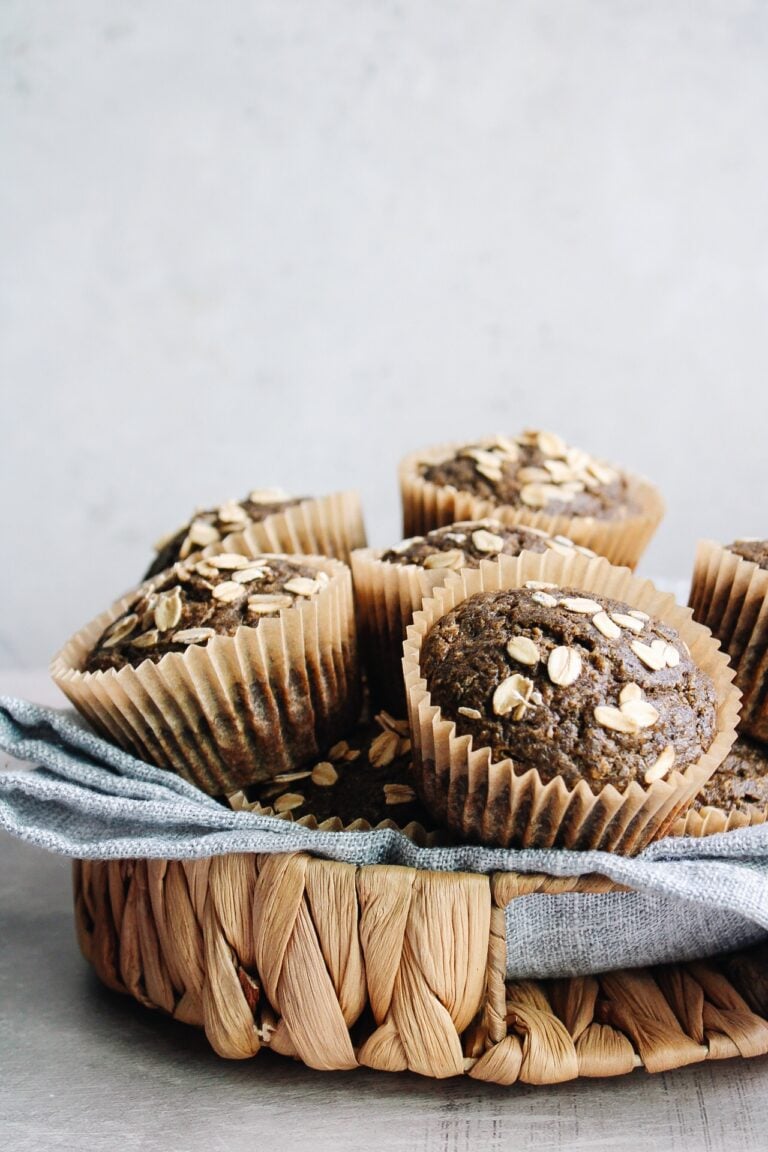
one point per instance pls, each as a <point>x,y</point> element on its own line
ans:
<point>195,601</point>
<point>752,549</point>
<point>536,480</point>
<point>210,525</point>
<point>228,669</point>
<point>467,543</point>
<point>537,470</point>
<point>741,781</point>
<point>271,521</point>
<point>571,684</point>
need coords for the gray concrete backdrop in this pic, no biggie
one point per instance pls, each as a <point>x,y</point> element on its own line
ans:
<point>284,242</point>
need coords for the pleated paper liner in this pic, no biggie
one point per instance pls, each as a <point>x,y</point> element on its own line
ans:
<point>730,596</point>
<point>242,708</point>
<point>622,541</point>
<point>487,802</point>
<point>707,821</point>
<point>387,596</point>
<point>325,526</point>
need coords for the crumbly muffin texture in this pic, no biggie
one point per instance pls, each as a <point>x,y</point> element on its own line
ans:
<point>570,683</point>
<point>192,602</point>
<point>210,525</point>
<point>468,542</point>
<point>750,548</point>
<point>538,471</point>
<point>741,781</point>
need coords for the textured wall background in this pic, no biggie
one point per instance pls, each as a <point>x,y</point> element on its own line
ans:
<point>284,242</point>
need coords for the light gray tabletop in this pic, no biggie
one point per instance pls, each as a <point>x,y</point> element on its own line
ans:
<point>83,1068</point>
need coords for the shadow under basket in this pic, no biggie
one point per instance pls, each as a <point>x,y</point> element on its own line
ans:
<point>340,966</point>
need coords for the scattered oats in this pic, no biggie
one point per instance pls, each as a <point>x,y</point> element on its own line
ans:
<point>288,801</point>
<point>485,541</point>
<point>120,630</point>
<point>147,639</point>
<point>398,794</point>
<point>529,437</point>
<point>470,713</point>
<point>492,474</point>
<point>338,751</point>
<point>453,558</point>
<point>581,604</point>
<point>456,537</point>
<point>302,586</point>
<point>673,656</point>
<point>289,777</point>
<point>638,615</point>
<point>202,534</point>
<point>630,692</point>
<point>383,749</point>
<point>323,578</point>
<point>482,456</point>
<point>268,495</point>
<point>353,754</point>
<point>544,599</point>
<point>324,774</point>
<point>246,575</point>
<point>577,458</point>
<point>641,712</point>
<point>539,585</point>
<point>228,592</point>
<point>403,747</point>
<point>523,649</point>
<point>268,602</point>
<point>533,475</point>
<point>561,549</point>
<point>661,765</point>
<point>601,472</point>
<point>560,472</point>
<point>564,666</point>
<point>168,610</point>
<point>229,561</point>
<point>539,495</point>
<point>385,720</point>
<point>203,568</point>
<point>625,621</point>
<point>604,624</point>
<point>512,692</point>
<point>651,657</point>
<point>193,635</point>
<point>404,545</point>
<point>551,444</point>
<point>609,717</point>
<point>231,513</point>
<point>570,489</point>
<point>186,548</point>
<point>506,446</point>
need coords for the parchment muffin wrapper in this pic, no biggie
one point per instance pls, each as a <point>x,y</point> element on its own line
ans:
<point>239,709</point>
<point>489,803</point>
<point>730,596</point>
<point>621,540</point>
<point>387,595</point>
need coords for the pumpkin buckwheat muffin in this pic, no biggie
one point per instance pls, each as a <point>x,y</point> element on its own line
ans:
<point>391,585</point>
<point>729,594</point>
<point>735,797</point>
<point>229,669</point>
<point>534,479</point>
<point>323,526</point>
<point>546,715</point>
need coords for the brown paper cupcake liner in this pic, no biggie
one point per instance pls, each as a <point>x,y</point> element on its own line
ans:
<point>489,802</point>
<point>415,831</point>
<point>708,820</point>
<point>387,596</point>
<point>622,541</point>
<point>324,526</point>
<point>730,596</point>
<point>242,708</point>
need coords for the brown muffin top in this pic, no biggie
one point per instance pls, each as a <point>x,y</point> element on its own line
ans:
<point>570,683</point>
<point>195,601</point>
<point>468,542</point>
<point>750,548</point>
<point>741,781</point>
<point>537,471</point>
<point>210,525</point>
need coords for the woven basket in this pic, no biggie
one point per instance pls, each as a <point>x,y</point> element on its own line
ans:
<point>394,969</point>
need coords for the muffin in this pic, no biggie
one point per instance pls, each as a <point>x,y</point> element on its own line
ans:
<point>580,713</point>
<point>391,585</point>
<point>536,480</point>
<point>323,526</point>
<point>729,594</point>
<point>735,797</point>
<point>227,670</point>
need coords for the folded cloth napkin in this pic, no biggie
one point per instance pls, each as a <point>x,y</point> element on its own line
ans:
<point>88,799</point>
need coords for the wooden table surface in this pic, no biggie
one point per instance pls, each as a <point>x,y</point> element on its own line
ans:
<point>83,1068</point>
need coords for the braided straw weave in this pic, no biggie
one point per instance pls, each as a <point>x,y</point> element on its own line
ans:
<point>392,968</point>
